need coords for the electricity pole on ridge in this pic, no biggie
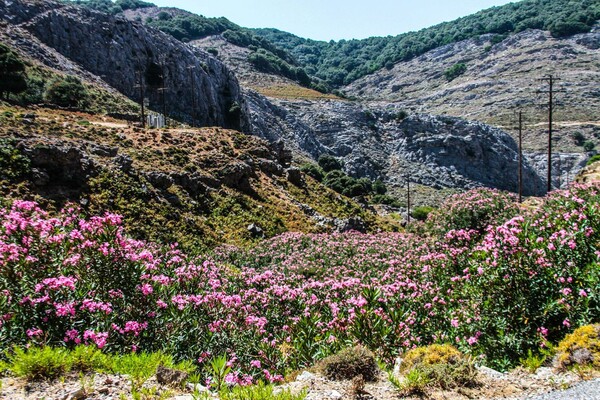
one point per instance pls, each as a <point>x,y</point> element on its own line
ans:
<point>141,86</point>
<point>520,156</point>
<point>408,199</point>
<point>191,69</point>
<point>551,80</point>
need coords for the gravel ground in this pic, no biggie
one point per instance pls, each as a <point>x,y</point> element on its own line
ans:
<point>589,390</point>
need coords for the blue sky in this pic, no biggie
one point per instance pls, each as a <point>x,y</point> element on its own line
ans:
<point>336,19</point>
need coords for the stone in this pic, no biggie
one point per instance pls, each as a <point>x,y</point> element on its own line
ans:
<point>334,395</point>
<point>159,180</point>
<point>305,376</point>
<point>78,394</point>
<point>123,162</point>
<point>172,377</point>
<point>295,177</point>
<point>39,177</point>
<point>196,387</point>
<point>492,373</point>
<point>255,231</point>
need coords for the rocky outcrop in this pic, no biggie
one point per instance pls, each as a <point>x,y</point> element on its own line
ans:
<point>376,140</point>
<point>502,75</point>
<point>198,87</point>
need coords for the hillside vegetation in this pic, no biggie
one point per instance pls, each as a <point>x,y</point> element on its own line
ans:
<point>340,63</point>
<point>333,64</point>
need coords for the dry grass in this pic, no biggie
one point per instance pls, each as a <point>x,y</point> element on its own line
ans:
<point>290,91</point>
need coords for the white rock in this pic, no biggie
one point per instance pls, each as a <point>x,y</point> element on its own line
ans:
<point>335,395</point>
<point>544,373</point>
<point>492,373</point>
<point>305,376</point>
<point>196,387</point>
<point>184,397</point>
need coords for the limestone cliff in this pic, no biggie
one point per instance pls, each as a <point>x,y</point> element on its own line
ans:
<point>116,50</point>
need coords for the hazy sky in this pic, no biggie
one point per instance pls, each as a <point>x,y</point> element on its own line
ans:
<point>336,19</point>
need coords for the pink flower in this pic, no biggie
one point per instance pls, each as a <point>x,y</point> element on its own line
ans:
<point>567,323</point>
<point>255,363</point>
<point>583,293</point>
<point>34,332</point>
<point>454,323</point>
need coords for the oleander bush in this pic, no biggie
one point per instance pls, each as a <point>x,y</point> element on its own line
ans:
<point>514,284</point>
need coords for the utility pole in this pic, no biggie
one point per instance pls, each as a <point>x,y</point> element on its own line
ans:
<point>141,86</point>
<point>408,199</point>
<point>520,156</point>
<point>551,80</point>
<point>191,68</point>
<point>163,90</point>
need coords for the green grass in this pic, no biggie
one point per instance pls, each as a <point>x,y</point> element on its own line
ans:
<point>48,362</point>
<point>261,391</point>
<point>39,363</point>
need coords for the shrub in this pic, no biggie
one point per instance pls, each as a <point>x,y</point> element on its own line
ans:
<point>13,164</point>
<point>312,170</point>
<point>580,348</point>
<point>67,92</point>
<point>379,187</point>
<point>422,212</point>
<point>349,363</point>
<point>387,200</point>
<point>568,28</point>
<point>329,163</point>
<point>588,145</point>
<point>593,159</point>
<point>578,137</point>
<point>39,362</point>
<point>401,115</point>
<point>89,358</point>
<point>261,391</point>
<point>455,71</point>
<point>440,365</point>
<point>12,72</point>
<point>473,211</point>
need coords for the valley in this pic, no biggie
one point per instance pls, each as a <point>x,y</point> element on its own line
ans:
<point>191,209</point>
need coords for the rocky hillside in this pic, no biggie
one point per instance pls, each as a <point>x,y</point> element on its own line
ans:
<point>197,187</point>
<point>378,142</point>
<point>499,79</point>
<point>116,50</point>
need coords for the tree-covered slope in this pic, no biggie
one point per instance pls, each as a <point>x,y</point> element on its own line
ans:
<point>340,63</point>
<point>345,61</point>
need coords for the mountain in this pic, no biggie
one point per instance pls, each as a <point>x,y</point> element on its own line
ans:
<point>437,117</point>
<point>340,63</point>
<point>116,51</point>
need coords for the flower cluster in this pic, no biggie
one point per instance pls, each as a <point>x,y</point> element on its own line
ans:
<point>493,288</point>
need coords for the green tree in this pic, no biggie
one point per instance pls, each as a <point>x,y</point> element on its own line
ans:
<point>455,71</point>
<point>588,145</point>
<point>329,163</point>
<point>67,92</point>
<point>12,72</point>
<point>379,187</point>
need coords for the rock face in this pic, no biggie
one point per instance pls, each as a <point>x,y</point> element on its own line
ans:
<point>375,140</point>
<point>119,51</point>
<point>501,77</point>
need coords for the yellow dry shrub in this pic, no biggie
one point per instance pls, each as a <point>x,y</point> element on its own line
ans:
<point>580,348</point>
<point>441,365</point>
